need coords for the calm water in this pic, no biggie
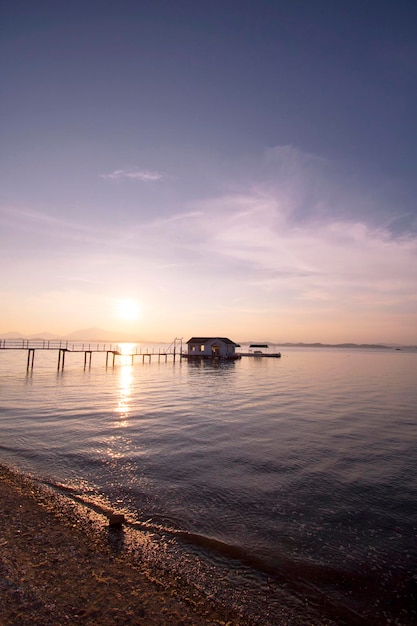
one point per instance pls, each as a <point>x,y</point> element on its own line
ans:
<point>281,485</point>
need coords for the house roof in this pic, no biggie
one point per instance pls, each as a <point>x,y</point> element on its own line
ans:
<point>205,339</point>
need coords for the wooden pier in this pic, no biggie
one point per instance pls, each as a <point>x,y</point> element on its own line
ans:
<point>63,348</point>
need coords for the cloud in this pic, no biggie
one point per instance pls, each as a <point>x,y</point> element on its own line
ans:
<point>180,217</point>
<point>325,261</point>
<point>262,244</point>
<point>295,230</point>
<point>46,231</point>
<point>289,242</point>
<point>133,174</point>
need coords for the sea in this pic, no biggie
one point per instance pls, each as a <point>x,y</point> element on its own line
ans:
<point>283,487</point>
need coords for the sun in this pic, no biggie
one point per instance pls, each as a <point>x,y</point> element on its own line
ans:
<point>128,309</point>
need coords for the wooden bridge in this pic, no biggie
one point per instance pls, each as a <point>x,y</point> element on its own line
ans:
<point>112,351</point>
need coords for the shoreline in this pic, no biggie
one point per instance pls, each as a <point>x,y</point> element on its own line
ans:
<point>60,564</point>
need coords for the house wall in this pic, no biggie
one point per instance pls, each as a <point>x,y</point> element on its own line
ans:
<point>225,350</point>
<point>195,349</point>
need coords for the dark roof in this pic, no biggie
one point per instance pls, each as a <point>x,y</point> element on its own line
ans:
<point>258,345</point>
<point>205,339</point>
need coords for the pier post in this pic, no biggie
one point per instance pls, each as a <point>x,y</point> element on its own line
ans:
<point>61,359</point>
<point>31,358</point>
<point>113,353</point>
<point>85,358</point>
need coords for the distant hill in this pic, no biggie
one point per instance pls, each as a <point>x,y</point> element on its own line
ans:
<point>44,335</point>
<point>317,344</point>
<point>85,334</point>
<point>336,345</point>
<point>98,334</point>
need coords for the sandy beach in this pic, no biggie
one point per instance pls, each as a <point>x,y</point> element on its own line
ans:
<point>58,566</point>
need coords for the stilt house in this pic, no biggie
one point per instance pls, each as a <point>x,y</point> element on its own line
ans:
<point>212,347</point>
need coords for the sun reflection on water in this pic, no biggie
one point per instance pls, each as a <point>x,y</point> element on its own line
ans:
<point>116,442</point>
<point>125,392</point>
<point>126,350</point>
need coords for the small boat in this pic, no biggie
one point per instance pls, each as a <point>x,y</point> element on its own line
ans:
<point>257,350</point>
<point>264,346</point>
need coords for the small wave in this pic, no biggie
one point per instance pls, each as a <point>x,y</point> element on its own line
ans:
<point>299,577</point>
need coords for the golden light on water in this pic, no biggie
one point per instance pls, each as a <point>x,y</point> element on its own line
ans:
<point>125,390</point>
<point>116,442</point>
<point>126,349</point>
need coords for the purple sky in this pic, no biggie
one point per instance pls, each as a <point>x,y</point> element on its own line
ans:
<point>234,168</point>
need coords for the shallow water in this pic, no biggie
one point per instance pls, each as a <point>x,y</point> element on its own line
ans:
<point>268,481</point>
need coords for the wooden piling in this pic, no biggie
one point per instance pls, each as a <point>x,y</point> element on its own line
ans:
<point>31,358</point>
<point>113,353</point>
<point>61,359</point>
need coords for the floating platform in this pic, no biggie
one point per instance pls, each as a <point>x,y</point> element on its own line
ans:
<point>260,355</point>
<point>210,357</point>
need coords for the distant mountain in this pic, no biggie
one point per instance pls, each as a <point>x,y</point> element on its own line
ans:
<point>44,335</point>
<point>85,334</point>
<point>336,345</point>
<point>98,334</point>
<point>12,335</point>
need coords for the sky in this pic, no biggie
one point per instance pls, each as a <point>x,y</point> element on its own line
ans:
<point>239,168</point>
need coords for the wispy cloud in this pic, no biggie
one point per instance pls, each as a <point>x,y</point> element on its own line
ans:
<point>289,245</point>
<point>295,231</point>
<point>180,217</point>
<point>344,253</point>
<point>144,176</point>
<point>46,231</point>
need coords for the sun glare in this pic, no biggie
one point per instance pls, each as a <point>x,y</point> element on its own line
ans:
<point>128,309</point>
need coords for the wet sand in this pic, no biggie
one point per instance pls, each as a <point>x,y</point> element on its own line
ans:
<point>60,566</point>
